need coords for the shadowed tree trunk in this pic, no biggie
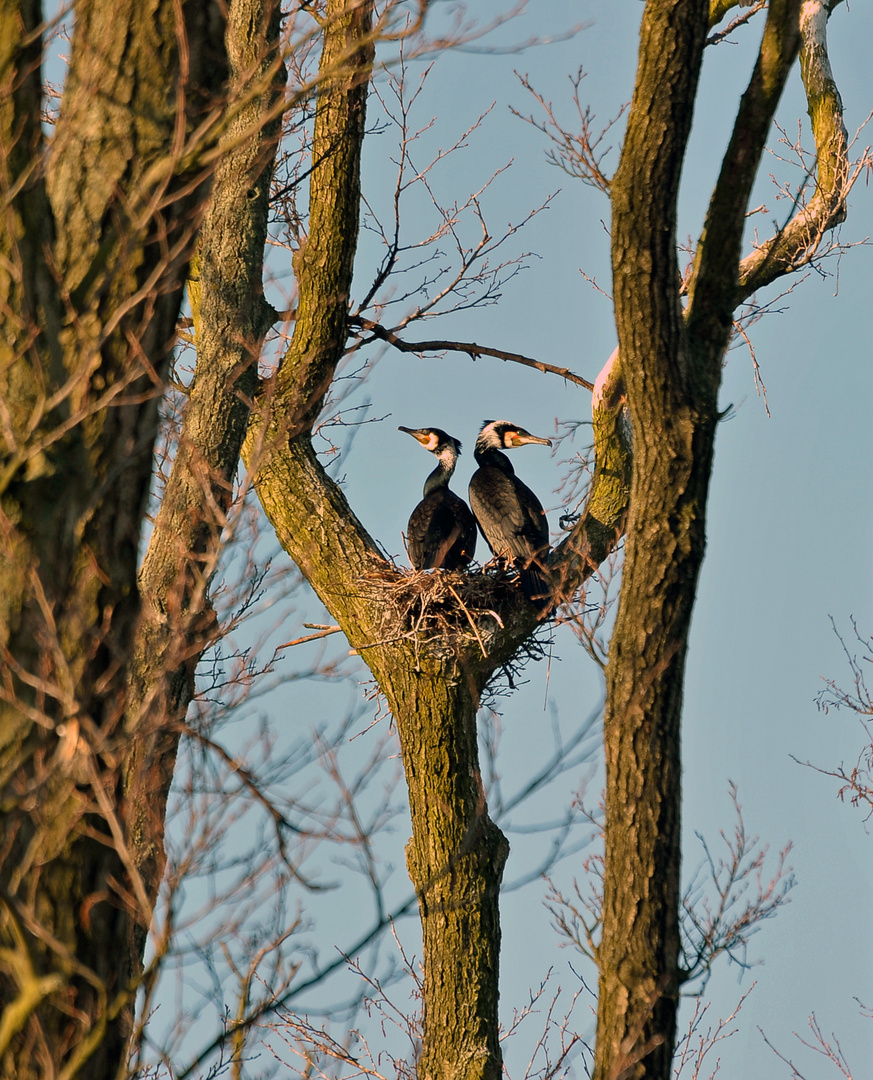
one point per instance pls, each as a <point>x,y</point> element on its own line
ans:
<point>671,361</point>
<point>86,347</point>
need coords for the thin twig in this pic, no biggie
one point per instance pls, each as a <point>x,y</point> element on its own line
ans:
<point>740,20</point>
<point>326,632</point>
<point>470,619</point>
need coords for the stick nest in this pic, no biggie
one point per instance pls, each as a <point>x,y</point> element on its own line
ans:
<point>452,615</point>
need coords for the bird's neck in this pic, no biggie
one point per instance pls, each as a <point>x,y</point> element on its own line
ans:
<point>441,475</point>
<point>489,455</point>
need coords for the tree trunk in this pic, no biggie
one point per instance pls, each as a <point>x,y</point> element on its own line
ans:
<point>231,319</point>
<point>455,860</point>
<point>672,367</point>
<point>93,260</point>
<point>431,676</point>
<point>638,956</point>
<point>83,371</point>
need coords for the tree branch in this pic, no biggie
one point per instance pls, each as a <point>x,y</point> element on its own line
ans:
<point>469,347</point>
<point>796,244</point>
<point>711,292</point>
<point>719,8</point>
<point>324,263</point>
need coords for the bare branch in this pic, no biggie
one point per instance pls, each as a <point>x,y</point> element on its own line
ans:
<point>735,23</point>
<point>797,242</point>
<point>695,1045</point>
<point>579,155</point>
<point>325,631</point>
<point>726,922</point>
<point>469,347</point>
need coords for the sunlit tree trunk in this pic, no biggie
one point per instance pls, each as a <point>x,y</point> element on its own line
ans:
<point>231,319</point>
<point>432,682</point>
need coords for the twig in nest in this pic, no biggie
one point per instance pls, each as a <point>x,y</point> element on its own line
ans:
<point>473,626</point>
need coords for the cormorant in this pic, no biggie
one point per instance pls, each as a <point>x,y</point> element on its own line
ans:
<point>510,516</point>
<point>441,532</point>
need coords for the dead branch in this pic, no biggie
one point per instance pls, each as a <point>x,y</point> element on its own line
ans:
<point>470,347</point>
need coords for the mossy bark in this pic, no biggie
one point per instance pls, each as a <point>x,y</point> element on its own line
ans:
<point>97,678</point>
<point>98,255</point>
<point>639,948</point>
<point>455,861</point>
<point>231,319</point>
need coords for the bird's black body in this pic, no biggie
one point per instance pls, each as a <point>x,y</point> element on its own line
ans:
<point>510,516</point>
<point>441,533</point>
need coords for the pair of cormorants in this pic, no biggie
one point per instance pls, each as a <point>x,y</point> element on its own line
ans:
<point>442,530</point>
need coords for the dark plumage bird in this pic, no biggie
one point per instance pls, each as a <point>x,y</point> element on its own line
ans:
<point>441,532</point>
<point>510,516</point>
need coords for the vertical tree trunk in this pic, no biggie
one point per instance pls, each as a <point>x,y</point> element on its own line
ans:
<point>102,275</point>
<point>455,860</point>
<point>672,366</point>
<point>231,319</point>
<point>672,447</point>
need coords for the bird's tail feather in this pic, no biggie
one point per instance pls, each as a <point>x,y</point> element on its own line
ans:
<point>537,587</point>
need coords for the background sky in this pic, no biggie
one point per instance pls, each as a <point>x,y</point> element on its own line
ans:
<point>789,512</point>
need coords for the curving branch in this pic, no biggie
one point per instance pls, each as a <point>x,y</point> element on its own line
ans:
<point>601,526</point>
<point>719,10</point>
<point>712,295</point>
<point>473,350</point>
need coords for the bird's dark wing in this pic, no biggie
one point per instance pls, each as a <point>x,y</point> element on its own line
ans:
<point>536,526</point>
<point>464,548</point>
<point>441,532</point>
<point>510,516</point>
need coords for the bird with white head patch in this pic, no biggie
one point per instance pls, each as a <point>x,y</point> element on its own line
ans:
<point>510,516</point>
<point>441,533</point>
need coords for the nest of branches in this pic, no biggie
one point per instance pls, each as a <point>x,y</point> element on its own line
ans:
<point>454,616</point>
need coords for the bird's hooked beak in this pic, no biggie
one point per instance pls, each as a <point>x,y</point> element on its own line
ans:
<point>427,438</point>
<point>520,437</point>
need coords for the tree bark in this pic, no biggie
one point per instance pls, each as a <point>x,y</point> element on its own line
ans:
<point>431,679</point>
<point>231,319</point>
<point>98,665</point>
<point>672,367</point>
<point>84,370</point>
<point>455,861</point>
<point>639,948</point>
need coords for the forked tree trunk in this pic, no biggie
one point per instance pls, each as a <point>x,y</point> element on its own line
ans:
<point>672,367</point>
